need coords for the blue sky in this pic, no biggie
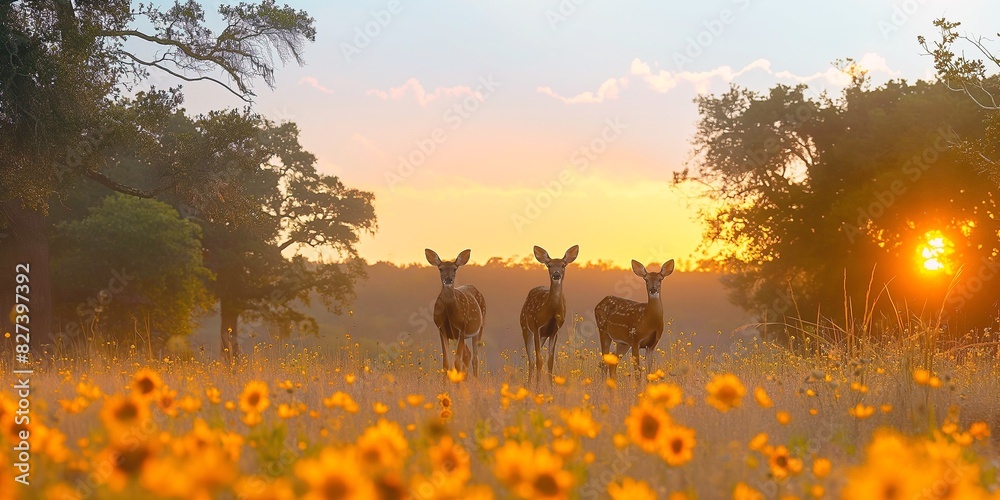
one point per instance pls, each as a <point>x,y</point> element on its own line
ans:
<point>561,72</point>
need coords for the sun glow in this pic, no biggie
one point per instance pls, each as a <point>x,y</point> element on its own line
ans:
<point>935,252</point>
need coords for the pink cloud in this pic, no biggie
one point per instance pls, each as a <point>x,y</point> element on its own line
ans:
<point>314,83</point>
<point>664,81</point>
<point>423,97</point>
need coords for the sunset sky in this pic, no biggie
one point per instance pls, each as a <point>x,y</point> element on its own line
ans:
<point>497,125</point>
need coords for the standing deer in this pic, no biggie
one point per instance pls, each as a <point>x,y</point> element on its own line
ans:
<point>459,313</point>
<point>544,310</point>
<point>633,325</point>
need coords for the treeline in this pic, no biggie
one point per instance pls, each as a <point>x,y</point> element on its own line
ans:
<point>879,204</point>
<point>136,216</point>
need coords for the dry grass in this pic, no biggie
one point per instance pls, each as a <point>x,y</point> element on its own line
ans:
<point>240,453</point>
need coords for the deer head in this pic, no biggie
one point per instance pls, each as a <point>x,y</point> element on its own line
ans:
<point>447,269</point>
<point>653,280</point>
<point>557,267</point>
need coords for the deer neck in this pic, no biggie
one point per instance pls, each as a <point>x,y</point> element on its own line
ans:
<point>447,295</point>
<point>654,308</point>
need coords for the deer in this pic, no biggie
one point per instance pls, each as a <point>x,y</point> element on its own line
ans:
<point>544,310</point>
<point>459,313</point>
<point>632,325</point>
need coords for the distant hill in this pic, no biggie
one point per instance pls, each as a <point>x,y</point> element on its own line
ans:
<point>395,304</point>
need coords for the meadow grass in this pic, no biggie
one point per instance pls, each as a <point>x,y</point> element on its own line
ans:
<point>292,422</point>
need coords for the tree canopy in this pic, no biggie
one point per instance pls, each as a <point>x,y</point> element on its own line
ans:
<point>815,200</point>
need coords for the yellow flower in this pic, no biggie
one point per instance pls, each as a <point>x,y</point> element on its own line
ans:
<point>979,430</point>
<point>665,394</point>
<point>512,462</point>
<point>335,474</point>
<point>861,411</point>
<point>383,445</point>
<point>213,395</point>
<point>630,489</point>
<point>254,399</point>
<point>678,445</point>
<point>886,408</point>
<point>456,376</point>
<point>258,488</point>
<point>725,392</point>
<point>415,399</point>
<point>782,464</point>
<point>444,399</point>
<point>783,417</point>
<point>450,459</point>
<point>646,425</point>
<point>580,422</point>
<point>758,442</point>
<point>821,467</point>
<point>760,395</point>
<point>379,408</point>
<point>925,377</point>
<point>611,359</point>
<point>341,400</point>
<point>145,383</point>
<point>564,447</point>
<point>746,492</point>
<point>124,415</point>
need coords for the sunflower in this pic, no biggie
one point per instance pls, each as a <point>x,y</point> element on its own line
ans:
<point>383,445</point>
<point>580,422</point>
<point>782,464</point>
<point>449,458</point>
<point>725,392</point>
<point>254,399</point>
<point>146,382</point>
<point>341,400</point>
<point>666,395</point>
<point>258,488</point>
<point>679,442</point>
<point>124,415</point>
<point>547,479</point>
<point>511,462</point>
<point>335,474</point>
<point>861,411</point>
<point>744,491</point>
<point>128,461</point>
<point>630,489</point>
<point>762,398</point>
<point>646,425</point>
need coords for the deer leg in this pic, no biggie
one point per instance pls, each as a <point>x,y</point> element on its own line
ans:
<point>527,351</point>
<point>475,352</point>
<point>620,349</point>
<point>538,353</point>
<point>461,362</point>
<point>552,352</point>
<point>444,352</point>
<point>605,349</point>
<point>637,366</point>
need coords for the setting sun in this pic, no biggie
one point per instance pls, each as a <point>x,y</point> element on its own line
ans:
<point>935,252</point>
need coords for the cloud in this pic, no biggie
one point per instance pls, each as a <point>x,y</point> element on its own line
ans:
<point>414,87</point>
<point>370,145</point>
<point>665,81</point>
<point>314,83</point>
<point>608,90</point>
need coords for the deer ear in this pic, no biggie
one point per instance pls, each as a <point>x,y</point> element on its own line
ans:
<point>463,258</point>
<point>432,257</point>
<point>667,268</point>
<point>571,253</point>
<point>638,269</point>
<point>541,255</point>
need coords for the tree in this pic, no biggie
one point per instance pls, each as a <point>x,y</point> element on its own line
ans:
<point>969,75</point>
<point>66,63</point>
<point>811,199</point>
<point>144,260</point>
<point>286,209</point>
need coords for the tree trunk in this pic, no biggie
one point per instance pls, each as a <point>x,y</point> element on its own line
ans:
<point>25,240</point>
<point>230,347</point>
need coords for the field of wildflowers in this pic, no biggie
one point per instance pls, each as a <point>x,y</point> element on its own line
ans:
<point>752,422</point>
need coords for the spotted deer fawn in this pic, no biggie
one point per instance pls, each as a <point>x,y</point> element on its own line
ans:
<point>544,310</point>
<point>633,325</point>
<point>459,313</point>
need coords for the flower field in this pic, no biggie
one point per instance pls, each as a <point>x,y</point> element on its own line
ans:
<point>754,421</point>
